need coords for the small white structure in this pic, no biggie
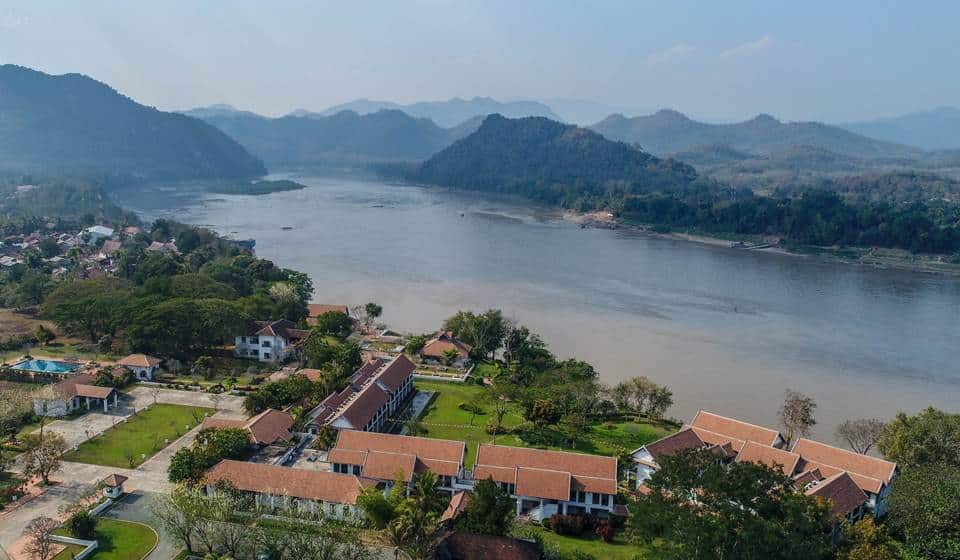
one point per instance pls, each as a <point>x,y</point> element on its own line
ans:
<point>94,234</point>
<point>142,365</point>
<point>271,341</point>
<point>73,394</point>
<point>113,486</point>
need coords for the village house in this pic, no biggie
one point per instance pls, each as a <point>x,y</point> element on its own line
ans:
<point>315,310</point>
<point>266,428</point>
<point>271,341</point>
<point>439,347</point>
<point>544,483</point>
<point>851,482</point>
<point>373,394</point>
<point>163,247</point>
<point>93,234</point>
<point>292,491</point>
<point>382,457</point>
<point>142,365</point>
<point>75,393</point>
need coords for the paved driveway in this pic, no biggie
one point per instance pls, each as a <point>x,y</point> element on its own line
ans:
<point>143,396</point>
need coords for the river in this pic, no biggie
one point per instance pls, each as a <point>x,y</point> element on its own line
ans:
<point>727,330</point>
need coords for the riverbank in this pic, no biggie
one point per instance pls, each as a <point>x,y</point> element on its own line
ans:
<point>872,257</point>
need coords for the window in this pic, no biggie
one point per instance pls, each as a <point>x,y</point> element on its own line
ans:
<point>265,344</point>
<point>243,339</point>
<point>266,355</point>
<point>254,352</point>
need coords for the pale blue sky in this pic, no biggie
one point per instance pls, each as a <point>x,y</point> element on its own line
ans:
<point>718,60</point>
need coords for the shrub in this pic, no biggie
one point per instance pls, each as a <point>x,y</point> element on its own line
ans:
<point>567,524</point>
<point>470,407</point>
<point>605,531</point>
<point>82,525</point>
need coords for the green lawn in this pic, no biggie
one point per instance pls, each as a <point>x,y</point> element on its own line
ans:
<point>7,481</point>
<point>118,540</point>
<point>144,434</point>
<point>619,549</point>
<point>443,419</point>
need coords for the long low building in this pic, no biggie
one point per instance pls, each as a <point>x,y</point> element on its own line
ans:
<point>851,482</point>
<point>544,483</point>
<point>374,392</point>
<point>384,457</point>
<point>320,493</point>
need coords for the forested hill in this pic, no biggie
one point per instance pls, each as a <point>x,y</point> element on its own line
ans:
<point>667,132</point>
<point>342,138</point>
<point>549,161</point>
<point>73,123</point>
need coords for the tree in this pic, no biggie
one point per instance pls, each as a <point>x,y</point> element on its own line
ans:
<point>699,509</point>
<point>82,524</point>
<point>326,437</point>
<point>796,415</point>
<point>659,401</point>
<point>932,436</point>
<point>489,511</point>
<point>39,533</point>
<point>450,356</point>
<point>868,540</point>
<point>620,394</point>
<point>925,506</point>
<point>543,414</point>
<point>573,426</point>
<point>334,323</point>
<point>44,335</point>
<point>861,434</point>
<point>415,344</point>
<point>483,331</point>
<point>500,400</point>
<point>180,513</point>
<point>42,454</point>
<point>371,312</point>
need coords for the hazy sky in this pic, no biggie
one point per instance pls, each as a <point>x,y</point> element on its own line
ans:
<point>832,61</point>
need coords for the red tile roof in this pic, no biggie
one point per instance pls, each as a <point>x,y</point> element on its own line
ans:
<point>841,491</point>
<point>591,473</point>
<point>870,473</point>
<point>772,457</point>
<point>684,439</point>
<point>396,372</point>
<point>437,346</point>
<point>282,328</point>
<point>542,483</point>
<point>458,501</point>
<point>268,427</point>
<point>139,360</point>
<point>115,480</point>
<point>735,429</point>
<point>444,457</point>
<point>315,310</point>
<point>284,481</point>
<point>388,466</point>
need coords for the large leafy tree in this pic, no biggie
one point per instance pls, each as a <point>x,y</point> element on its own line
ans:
<point>490,511</point>
<point>698,509</point>
<point>925,507</point>
<point>932,436</point>
<point>485,331</point>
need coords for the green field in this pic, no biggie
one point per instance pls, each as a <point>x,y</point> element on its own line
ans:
<point>443,419</point>
<point>125,444</point>
<point>118,540</point>
<point>619,549</point>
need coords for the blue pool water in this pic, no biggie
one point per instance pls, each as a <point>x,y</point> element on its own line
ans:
<point>45,366</point>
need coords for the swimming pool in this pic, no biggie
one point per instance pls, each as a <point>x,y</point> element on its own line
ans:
<point>45,366</point>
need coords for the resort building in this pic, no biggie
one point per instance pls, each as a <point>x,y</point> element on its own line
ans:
<point>75,393</point>
<point>271,341</point>
<point>142,365</point>
<point>94,234</point>
<point>383,457</point>
<point>544,483</point>
<point>438,349</point>
<point>374,393</point>
<point>853,483</point>
<point>315,310</point>
<point>266,428</point>
<point>298,491</point>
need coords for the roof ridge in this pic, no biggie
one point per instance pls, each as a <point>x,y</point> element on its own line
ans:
<point>738,421</point>
<point>845,451</point>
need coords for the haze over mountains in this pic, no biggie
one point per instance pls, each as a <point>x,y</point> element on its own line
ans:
<point>73,123</point>
<point>447,113</point>
<point>937,129</point>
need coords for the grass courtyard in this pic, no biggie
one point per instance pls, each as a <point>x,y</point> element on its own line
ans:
<point>445,420</point>
<point>618,549</point>
<point>130,443</point>
<point>118,540</point>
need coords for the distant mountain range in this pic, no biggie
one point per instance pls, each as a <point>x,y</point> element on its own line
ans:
<point>344,138</point>
<point>668,132</point>
<point>449,113</point>
<point>937,129</point>
<point>549,161</point>
<point>74,124</point>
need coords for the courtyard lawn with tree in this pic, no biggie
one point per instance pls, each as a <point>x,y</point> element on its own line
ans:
<point>130,443</point>
<point>445,419</point>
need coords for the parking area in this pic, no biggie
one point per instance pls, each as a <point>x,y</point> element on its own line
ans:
<point>312,459</point>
